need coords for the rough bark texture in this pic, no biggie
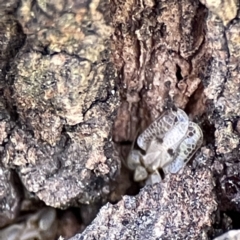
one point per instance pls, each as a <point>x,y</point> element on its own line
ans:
<point>60,90</point>
<point>179,209</point>
<point>185,54</point>
<point>64,96</point>
<point>58,103</point>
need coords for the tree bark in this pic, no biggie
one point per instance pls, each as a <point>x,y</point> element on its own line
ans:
<point>77,87</point>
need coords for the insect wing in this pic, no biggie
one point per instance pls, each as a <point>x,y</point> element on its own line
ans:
<point>181,116</point>
<point>187,148</point>
<point>154,146</point>
<point>173,138</point>
<point>154,129</point>
<point>171,143</point>
<point>160,127</point>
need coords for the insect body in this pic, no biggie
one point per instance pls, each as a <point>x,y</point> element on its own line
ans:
<point>168,143</point>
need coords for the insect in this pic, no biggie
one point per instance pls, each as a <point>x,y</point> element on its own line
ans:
<point>167,144</point>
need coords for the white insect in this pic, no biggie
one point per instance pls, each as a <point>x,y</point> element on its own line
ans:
<point>168,143</point>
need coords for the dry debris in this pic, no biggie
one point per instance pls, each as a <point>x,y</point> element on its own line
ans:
<point>40,225</point>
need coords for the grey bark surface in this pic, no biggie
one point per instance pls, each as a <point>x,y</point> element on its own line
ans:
<point>186,54</point>
<point>58,103</point>
<point>77,87</point>
<point>179,208</point>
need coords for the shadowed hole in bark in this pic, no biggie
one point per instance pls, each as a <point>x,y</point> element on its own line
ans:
<point>134,189</point>
<point>178,73</point>
<point>161,173</point>
<point>208,131</point>
<point>236,125</point>
<point>235,216</point>
<point>196,105</point>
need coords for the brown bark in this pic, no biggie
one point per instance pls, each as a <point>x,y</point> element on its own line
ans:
<point>58,103</point>
<point>65,97</point>
<point>183,54</point>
